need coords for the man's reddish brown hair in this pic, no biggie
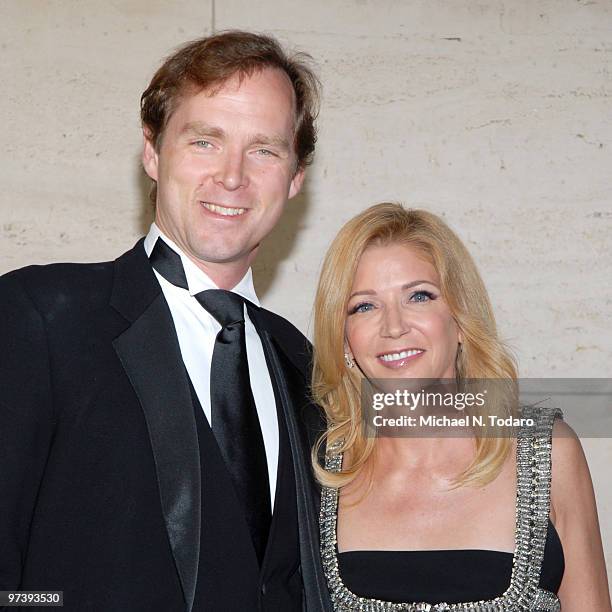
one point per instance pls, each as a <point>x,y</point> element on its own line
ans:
<point>209,62</point>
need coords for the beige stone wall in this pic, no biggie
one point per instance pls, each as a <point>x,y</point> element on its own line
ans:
<point>494,113</point>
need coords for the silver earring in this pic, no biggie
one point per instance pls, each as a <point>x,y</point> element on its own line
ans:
<point>348,360</point>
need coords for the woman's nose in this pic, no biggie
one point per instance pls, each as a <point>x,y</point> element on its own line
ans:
<point>395,321</point>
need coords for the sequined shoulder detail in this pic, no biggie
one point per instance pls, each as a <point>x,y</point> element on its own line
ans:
<point>533,470</point>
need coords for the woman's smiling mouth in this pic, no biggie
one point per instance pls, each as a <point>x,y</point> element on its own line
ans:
<point>398,358</point>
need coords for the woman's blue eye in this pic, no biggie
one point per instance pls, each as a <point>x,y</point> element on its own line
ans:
<point>422,296</point>
<point>363,307</point>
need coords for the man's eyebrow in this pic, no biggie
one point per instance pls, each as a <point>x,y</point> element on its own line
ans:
<point>263,139</point>
<point>200,128</point>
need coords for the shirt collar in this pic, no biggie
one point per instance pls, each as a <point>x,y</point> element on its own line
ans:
<point>197,279</point>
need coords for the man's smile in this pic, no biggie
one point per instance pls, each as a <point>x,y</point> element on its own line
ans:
<point>224,211</point>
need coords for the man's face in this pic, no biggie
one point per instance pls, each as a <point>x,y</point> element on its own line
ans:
<point>225,168</point>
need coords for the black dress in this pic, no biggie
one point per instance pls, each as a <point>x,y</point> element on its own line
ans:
<point>434,576</point>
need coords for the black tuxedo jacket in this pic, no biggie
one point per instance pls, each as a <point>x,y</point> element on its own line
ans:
<point>99,460</point>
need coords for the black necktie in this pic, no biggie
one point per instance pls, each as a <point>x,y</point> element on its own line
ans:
<point>233,413</point>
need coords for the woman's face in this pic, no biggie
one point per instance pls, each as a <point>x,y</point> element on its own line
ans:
<point>398,325</point>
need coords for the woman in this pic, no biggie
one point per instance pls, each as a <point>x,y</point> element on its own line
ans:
<point>438,523</point>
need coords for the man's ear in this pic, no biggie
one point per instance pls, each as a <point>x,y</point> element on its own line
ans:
<point>150,158</point>
<point>296,182</point>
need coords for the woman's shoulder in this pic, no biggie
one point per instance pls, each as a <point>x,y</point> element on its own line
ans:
<point>574,513</point>
<point>568,458</point>
<point>570,471</point>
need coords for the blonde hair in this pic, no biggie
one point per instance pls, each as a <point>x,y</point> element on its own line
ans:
<point>337,388</point>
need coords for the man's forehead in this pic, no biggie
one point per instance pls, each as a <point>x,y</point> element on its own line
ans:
<point>235,84</point>
<point>242,79</point>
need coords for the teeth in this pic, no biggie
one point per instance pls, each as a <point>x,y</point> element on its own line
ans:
<point>221,210</point>
<point>402,355</point>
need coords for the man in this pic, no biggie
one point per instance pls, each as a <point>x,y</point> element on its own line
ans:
<point>155,429</point>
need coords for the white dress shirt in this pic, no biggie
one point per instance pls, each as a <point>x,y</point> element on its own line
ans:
<point>197,330</point>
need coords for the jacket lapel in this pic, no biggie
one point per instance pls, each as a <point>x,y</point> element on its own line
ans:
<point>304,425</point>
<point>151,357</point>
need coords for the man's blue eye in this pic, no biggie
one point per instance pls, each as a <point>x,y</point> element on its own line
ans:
<point>203,143</point>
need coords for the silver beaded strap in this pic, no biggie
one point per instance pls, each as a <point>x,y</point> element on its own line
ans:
<point>533,471</point>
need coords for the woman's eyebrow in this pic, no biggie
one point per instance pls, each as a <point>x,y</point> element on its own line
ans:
<point>363,292</point>
<point>404,287</point>
<point>418,282</point>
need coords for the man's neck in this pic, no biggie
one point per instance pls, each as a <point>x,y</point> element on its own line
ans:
<point>225,275</point>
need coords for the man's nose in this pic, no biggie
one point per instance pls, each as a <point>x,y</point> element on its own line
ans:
<point>395,321</point>
<point>231,172</point>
